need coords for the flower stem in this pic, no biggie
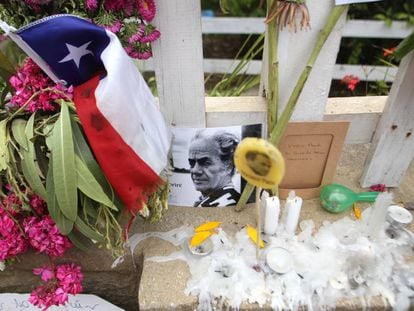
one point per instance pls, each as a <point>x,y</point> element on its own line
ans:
<point>278,130</point>
<point>273,76</point>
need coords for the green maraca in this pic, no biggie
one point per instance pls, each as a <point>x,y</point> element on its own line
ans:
<point>336,198</point>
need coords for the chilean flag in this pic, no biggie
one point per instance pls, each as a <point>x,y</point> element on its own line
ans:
<point>119,115</point>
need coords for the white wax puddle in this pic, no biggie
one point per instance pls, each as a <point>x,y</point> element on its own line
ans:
<point>338,262</point>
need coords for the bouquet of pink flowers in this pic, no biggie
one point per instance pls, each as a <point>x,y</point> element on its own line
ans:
<point>39,130</point>
<point>130,20</point>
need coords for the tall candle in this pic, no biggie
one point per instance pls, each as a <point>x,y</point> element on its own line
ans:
<point>272,210</point>
<point>378,215</point>
<point>293,206</point>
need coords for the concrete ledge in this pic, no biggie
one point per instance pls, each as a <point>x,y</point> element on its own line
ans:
<point>162,284</point>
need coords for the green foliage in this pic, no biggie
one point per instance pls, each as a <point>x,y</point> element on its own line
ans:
<point>249,8</point>
<point>236,83</point>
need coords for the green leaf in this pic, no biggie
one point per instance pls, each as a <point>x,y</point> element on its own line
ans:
<point>84,152</point>
<point>405,47</point>
<point>89,186</point>
<point>88,231</point>
<point>65,225</point>
<point>29,166</point>
<point>89,206</point>
<point>73,236</point>
<point>64,168</point>
<point>4,151</point>
<point>18,128</point>
<point>41,157</point>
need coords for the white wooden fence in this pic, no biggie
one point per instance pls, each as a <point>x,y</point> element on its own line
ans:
<point>353,29</point>
<point>178,64</point>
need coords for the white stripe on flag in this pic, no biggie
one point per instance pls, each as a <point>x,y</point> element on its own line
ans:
<point>125,100</point>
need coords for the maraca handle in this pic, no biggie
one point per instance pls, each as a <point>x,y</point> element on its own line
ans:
<point>367,196</point>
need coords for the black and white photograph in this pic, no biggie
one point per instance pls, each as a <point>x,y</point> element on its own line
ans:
<point>203,171</point>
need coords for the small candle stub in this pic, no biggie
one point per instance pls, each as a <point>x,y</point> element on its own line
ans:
<point>203,249</point>
<point>339,282</point>
<point>399,215</point>
<point>279,259</point>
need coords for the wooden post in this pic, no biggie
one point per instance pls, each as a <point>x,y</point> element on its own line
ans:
<point>392,148</point>
<point>178,62</point>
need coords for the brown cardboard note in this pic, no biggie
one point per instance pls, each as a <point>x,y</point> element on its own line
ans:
<point>311,151</point>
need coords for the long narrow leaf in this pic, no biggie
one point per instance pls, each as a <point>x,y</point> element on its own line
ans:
<point>405,47</point>
<point>88,231</point>
<point>73,236</point>
<point>4,151</point>
<point>28,162</point>
<point>64,168</point>
<point>65,225</point>
<point>85,154</point>
<point>18,128</point>
<point>89,186</point>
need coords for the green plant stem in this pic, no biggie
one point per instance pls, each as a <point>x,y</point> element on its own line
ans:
<point>273,75</point>
<point>280,127</point>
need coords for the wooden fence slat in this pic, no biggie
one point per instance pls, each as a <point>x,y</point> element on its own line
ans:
<point>362,112</point>
<point>364,72</point>
<point>353,28</point>
<point>393,144</point>
<point>178,62</point>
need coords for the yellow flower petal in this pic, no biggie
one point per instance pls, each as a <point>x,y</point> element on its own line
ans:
<point>207,226</point>
<point>357,212</point>
<point>200,237</point>
<point>252,233</point>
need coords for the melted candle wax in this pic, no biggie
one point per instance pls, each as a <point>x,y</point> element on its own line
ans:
<point>329,265</point>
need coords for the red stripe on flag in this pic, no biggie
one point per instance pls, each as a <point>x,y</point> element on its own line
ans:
<point>131,177</point>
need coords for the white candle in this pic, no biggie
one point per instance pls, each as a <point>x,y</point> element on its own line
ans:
<point>378,215</point>
<point>293,206</point>
<point>272,210</point>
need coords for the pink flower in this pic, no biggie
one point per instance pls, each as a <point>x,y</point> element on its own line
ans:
<point>351,81</point>
<point>12,241</point>
<point>147,9</point>
<point>378,187</point>
<point>38,205</point>
<point>46,274</point>
<point>91,4</point>
<point>138,35</point>
<point>70,278</point>
<point>115,27</point>
<point>29,80</point>
<point>150,37</point>
<point>61,282</point>
<point>44,236</point>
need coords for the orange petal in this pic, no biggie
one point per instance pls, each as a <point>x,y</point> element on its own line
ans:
<point>252,233</point>
<point>357,212</point>
<point>200,237</point>
<point>207,226</point>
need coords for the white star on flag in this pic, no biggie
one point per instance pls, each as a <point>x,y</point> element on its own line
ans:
<point>76,53</point>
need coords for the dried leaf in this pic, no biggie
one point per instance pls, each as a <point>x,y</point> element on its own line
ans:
<point>252,233</point>
<point>200,237</point>
<point>207,226</point>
